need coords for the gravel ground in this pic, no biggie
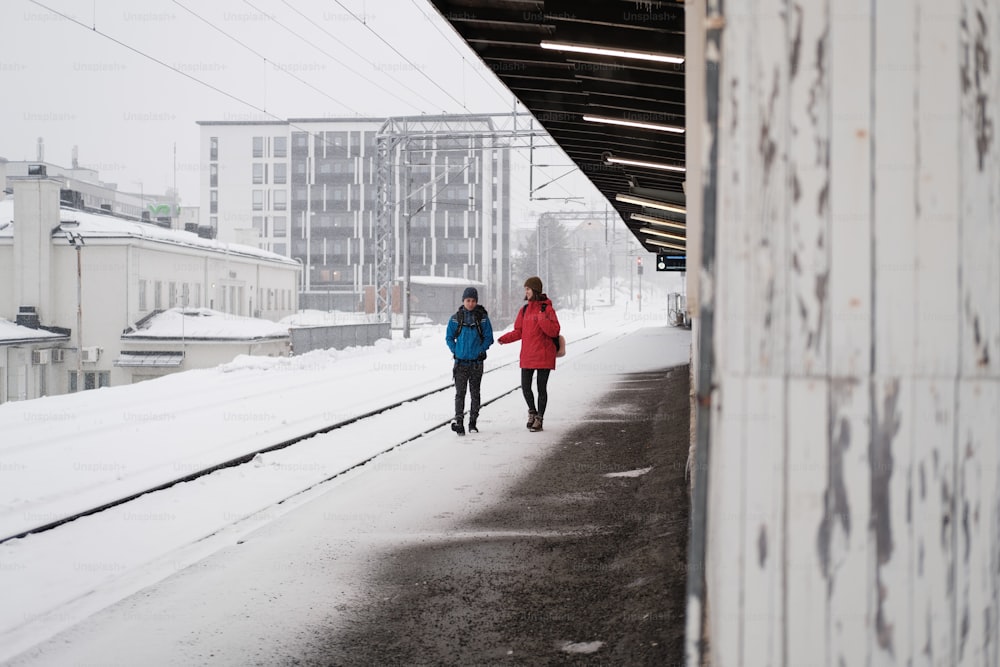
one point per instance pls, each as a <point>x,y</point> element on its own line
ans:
<point>572,568</point>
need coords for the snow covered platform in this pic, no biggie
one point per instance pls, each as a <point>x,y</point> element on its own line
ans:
<point>500,546</point>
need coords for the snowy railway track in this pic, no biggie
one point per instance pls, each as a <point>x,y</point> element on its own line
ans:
<point>247,457</point>
<point>69,568</point>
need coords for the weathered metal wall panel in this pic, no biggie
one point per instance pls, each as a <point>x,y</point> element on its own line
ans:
<point>854,467</point>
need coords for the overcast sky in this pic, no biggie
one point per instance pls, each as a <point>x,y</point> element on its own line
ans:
<point>90,85</point>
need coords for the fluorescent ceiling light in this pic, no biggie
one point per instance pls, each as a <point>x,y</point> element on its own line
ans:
<point>643,163</point>
<point>634,123</point>
<point>615,53</point>
<point>666,235</point>
<point>650,203</point>
<point>658,221</point>
<point>664,244</point>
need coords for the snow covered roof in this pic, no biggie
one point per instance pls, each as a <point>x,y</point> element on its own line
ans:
<point>11,333</point>
<point>320,318</point>
<point>204,324</point>
<point>97,226</point>
<point>444,280</point>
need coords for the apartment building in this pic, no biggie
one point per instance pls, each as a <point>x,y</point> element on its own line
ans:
<point>307,189</point>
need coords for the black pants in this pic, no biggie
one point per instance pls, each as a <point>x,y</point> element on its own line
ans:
<point>543,395</point>
<point>470,374</point>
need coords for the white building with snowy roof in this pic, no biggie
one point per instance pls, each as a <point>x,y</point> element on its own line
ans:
<point>97,276</point>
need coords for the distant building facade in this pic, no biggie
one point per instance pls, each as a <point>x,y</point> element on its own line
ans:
<point>124,272</point>
<point>307,189</point>
<point>91,192</point>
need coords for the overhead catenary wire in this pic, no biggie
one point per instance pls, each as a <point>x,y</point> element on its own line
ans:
<point>458,51</point>
<point>139,52</point>
<point>262,56</point>
<point>396,51</point>
<point>488,83</point>
<point>331,57</point>
<point>356,52</point>
<point>314,135</point>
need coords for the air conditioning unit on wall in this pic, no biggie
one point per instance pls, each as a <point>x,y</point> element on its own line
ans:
<point>90,355</point>
<point>39,357</point>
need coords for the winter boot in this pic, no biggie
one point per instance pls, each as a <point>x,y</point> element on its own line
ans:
<point>458,425</point>
<point>472,424</point>
<point>531,418</point>
<point>536,425</point>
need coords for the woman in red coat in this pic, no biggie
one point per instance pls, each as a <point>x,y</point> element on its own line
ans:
<point>535,326</point>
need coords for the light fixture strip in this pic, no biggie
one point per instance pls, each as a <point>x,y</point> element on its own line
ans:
<point>643,163</point>
<point>664,244</point>
<point>658,221</point>
<point>666,235</point>
<point>633,123</point>
<point>614,53</point>
<point>650,203</point>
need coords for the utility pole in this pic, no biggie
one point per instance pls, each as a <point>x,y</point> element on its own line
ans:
<point>406,243</point>
<point>638,269</point>
<point>584,284</point>
<point>611,258</point>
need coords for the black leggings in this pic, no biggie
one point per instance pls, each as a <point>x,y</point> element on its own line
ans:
<point>543,396</point>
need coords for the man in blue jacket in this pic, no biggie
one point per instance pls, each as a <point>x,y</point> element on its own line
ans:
<point>469,335</point>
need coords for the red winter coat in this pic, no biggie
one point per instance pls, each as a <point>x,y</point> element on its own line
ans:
<point>534,327</point>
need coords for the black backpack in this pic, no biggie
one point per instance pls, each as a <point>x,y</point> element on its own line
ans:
<point>478,313</point>
<point>555,339</point>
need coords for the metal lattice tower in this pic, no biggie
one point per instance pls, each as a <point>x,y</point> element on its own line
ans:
<point>383,223</point>
<point>495,130</point>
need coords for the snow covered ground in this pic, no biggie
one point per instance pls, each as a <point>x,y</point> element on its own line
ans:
<point>65,454</point>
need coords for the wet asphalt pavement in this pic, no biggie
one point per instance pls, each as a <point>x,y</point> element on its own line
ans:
<point>578,569</point>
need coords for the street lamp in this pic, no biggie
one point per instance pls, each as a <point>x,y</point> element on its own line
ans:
<point>76,240</point>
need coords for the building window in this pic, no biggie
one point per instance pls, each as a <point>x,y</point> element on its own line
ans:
<point>300,140</point>
<point>91,380</point>
<point>213,201</point>
<point>172,294</point>
<point>339,194</point>
<point>280,226</point>
<point>258,200</point>
<point>258,172</point>
<point>258,223</point>
<point>280,146</point>
<point>281,249</point>
<point>157,295</point>
<point>142,295</point>
<point>280,200</point>
<point>280,173</point>
<point>258,146</point>
<point>213,149</point>
<point>185,295</point>
<point>213,175</point>
<point>197,295</point>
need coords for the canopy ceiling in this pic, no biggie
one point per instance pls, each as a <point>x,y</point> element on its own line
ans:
<point>559,87</point>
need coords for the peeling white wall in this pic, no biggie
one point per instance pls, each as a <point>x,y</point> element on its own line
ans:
<point>853,511</point>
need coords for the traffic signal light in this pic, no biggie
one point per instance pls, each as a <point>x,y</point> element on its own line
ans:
<point>666,261</point>
<point>638,265</point>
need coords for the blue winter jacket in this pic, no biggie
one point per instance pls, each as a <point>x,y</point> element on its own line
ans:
<point>469,346</point>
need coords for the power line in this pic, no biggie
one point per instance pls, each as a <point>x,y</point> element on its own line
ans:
<point>357,53</point>
<point>331,56</point>
<point>225,93</point>
<point>459,52</point>
<point>409,62</point>
<point>262,56</point>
